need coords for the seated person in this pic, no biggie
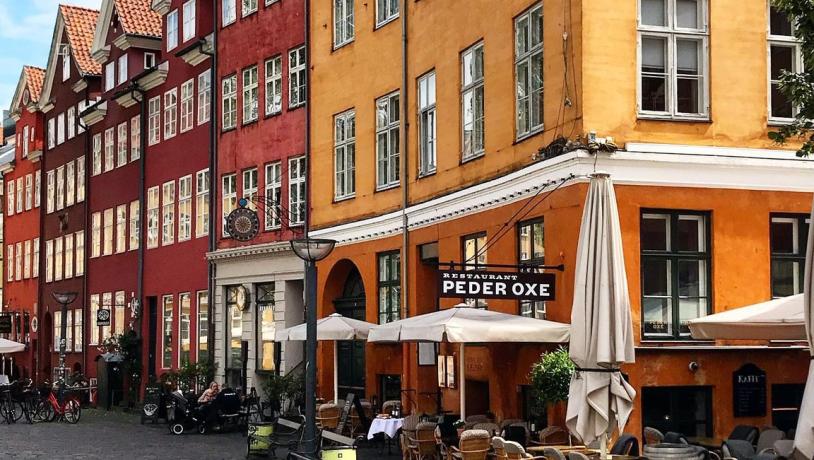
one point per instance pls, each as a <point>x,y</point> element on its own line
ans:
<point>207,398</point>
<point>210,393</point>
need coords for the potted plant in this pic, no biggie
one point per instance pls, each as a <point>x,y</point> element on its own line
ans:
<point>550,378</point>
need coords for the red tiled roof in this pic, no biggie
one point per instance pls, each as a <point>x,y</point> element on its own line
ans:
<point>80,24</point>
<point>138,18</point>
<point>34,77</point>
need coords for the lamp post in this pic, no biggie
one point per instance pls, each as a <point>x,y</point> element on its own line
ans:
<point>311,250</point>
<point>64,299</point>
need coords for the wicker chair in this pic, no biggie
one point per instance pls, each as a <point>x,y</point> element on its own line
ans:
<point>577,456</point>
<point>492,428</point>
<point>328,416</point>
<point>424,445</point>
<point>388,406</point>
<point>652,436</point>
<point>551,453</point>
<point>474,445</point>
<point>498,448</point>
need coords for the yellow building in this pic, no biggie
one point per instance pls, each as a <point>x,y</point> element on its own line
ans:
<point>474,125</point>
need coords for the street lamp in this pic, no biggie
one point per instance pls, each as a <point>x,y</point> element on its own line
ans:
<point>64,299</point>
<point>311,250</point>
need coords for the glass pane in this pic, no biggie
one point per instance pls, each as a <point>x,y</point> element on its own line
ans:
<point>691,234</point>
<point>654,94</point>
<point>653,12</point>
<point>690,309</point>
<point>785,278</point>
<point>539,246</point>
<point>656,277</point>
<point>687,14</point>
<point>468,68</point>
<point>784,236</point>
<point>779,23</point>
<point>692,278</point>
<point>688,96</point>
<point>536,27</point>
<point>687,55</point>
<point>781,106</point>
<point>782,58</point>
<point>658,316</point>
<point>655,232</point>
<point>653,54</point>
<point>522,36</point>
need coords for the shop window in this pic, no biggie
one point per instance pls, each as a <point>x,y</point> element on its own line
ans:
<point>184,333</point>
<point>676,273</point>
<point>266,358</point>
<point>166,345</point>
<point>531,251</point>
<point>473,249</point>
<point>389,280</point>
<point>789,235</point>
<point>234,359</point>
<point>686,410</point>
<point>787,398</point>
<point>203,326</point>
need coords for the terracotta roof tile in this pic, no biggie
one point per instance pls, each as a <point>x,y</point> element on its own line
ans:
<point>138,18</point>
<point>34,77</point>
<point>80,23</point>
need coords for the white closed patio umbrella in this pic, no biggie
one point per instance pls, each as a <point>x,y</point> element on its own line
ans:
<point>777,319</point>
<point>464,324</point>
<point>599,398</point>
<point>804,437</point>
<point>9,346</point>
<point>333,327</point>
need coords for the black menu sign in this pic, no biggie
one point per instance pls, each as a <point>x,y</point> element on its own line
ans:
<point>749,391</point>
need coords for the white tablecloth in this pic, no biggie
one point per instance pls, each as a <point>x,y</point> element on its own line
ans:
<point>388,426</point>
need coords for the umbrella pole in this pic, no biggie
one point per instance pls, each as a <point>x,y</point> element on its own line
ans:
<point>336,373</point>
<point>462,377</point>
<point>603,446</point>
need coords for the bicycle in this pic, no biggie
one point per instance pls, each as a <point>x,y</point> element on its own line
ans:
<point>11,407</point>
<point>49,409</point>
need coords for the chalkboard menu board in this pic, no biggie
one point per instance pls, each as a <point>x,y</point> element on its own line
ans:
<point>749,391</point>
<point>343,416</point>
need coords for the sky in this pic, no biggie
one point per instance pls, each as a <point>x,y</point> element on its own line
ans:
<point>26,28</point>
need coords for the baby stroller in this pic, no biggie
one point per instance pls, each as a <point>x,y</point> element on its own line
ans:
<point>182,413</point>
<point>224,412</point>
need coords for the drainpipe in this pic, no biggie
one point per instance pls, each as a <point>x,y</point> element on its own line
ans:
<point>41,263</point>
<point>86,233</point>
<point>213,167</point>
<point>405,197</point>
<point>143,128</point>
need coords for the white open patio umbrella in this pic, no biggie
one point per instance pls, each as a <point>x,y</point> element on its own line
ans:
<point>8,346</point>
<point>804,437</point>
<point>601,329</point>
<point>777,319</point>
<point>464,324</point>
<point>333,327</point>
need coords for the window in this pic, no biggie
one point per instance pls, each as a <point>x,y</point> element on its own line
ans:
<point>135,225</point>
<point>184,332</point>
<point>10,196</point>
<point>38,186</point>
<point>296,191</point>
<point>250,187</point>
<point>70,184</point>
<point>249,7</point>
<point>58,261</point>
<point>60,128</point>
<point>426,124</point>
<point>187,105</point>
<point>69,255</point>
<point>274,187</point>
<point>228,12</point>
<point>20,192</point>
<point>49,198</point>
<point>675,272</point>
<point>121,228</point>
<point>71,123</point>
<point>679,409</point>
<point>166,337</point>
<point>65,52</point>
<point>204,96</point>
<point>26,142</point>
<point>10,263</point>
<point>29,189</point>
<point>80,179</point>
<point>184,208</point>
<point>110,75</point>
<point>135,138</point>
<point>107,304</point>
<point>673,59</point>
<point>297,76</point>
<point>170,113</point>
<point>96,234</point>
<point>168,213</point>
<point>345,155</point>
<point>97,154</point>
<point>249,94</point>
<point>118,313</point>
<point>387,141</point>
<point>77,330</point>
<point>27,259</point>
<point>18,261</point>
<point>235,329</point>
<point>265,336</point>
<point>35,262</point>
<point>60,204</point>
<point>57,330</point>
<point>784,56</point>
<point>386,11</point>
<point>79,238</point>
<point>68,330</point>
<point>51,133</point>
<point>122,70</point>
<point>94,330</point>
<point>343,22</point>
<point>172,29</point>
<point>152,217</point>
<point>389,281</point>
<point>80,128</point>
<point>528,64</point>
<point>789,238</point>
<point>202,203</point>
<point>229,119</point>
<point>531,251</point>
<point>149,60</point>
<point>189,20</point>
<point>107,232</point>
<point>203,326</point>
<point>229,189</point>
<point>274,85</point>
<point>472,102</point>
<point>121,141</point>
<point>474,255</point>
<point>154,120</point>
<point>109,150</point>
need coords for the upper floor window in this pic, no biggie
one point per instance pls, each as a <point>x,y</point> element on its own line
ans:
<point>789,237</point>
<point>110,75</point>
<point>26,141</point>
<point>676,274</point>
<point>343,22</point>
<point>60,128</point>
<point>386,11</point>
<point>229,197</point>
<point>154,120</point>
<point>274,186</point>
<point>248,7</point>
<point>528,63</point>
<point>122,69</point>
<point>52,135</point>
<point>531,251</point>
<point>472,102</point>
<point>785,55</point>
<point>65,52</point>
<point>274,85</point>
<point>149,60</point>
<point>250,93</point>
<point>71,116</point>
<point>229,102</point>
<point>387,141</point>
<point>202,203</point>
<point>228,12</point>
<point>204,96</point>
<point>172,29</point>
<point>121,145</point>
<point>135,138</point>
<point>250,187</point>
<point>473,251</point>
<point>345,154</point>
<point>96,167</point>
<point>170,113</point>
<point>185,208</point>
<point>189,20</point>
<point>296,191</point>
<point>187,105</point>
<point>389,284</point>
<point>673,59</point>
<point>426,124</point>
<point>297,77</point>
<point>168,213</point>
<point>96,235</point>
<point>153,196</point>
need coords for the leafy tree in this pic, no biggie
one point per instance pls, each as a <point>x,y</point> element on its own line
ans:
<point>550,378</point>
<point>799,87</point>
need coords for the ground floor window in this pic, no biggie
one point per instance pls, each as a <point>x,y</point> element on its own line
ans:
<point>531,252</point>
<point>203,326</point>
<point>788,234</point>
<point>184,333</point>
<point>685,410</point>
<point>390,387</point>
<point>234,331</point>
<point>787,398</point>
<point>265,331</point>
<point>166,321</point>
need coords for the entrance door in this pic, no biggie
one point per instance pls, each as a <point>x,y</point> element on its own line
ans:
<point>352,352</point>
<point>152,306</point>
<point>477,397</point>
<point>787,399</point>
<point>686,410</point>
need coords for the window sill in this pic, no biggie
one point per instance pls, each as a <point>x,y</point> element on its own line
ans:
<point>338,46</point>
<point>339,199</point>
<point>223,26</point>
<point>422,175</point>
<point>272,115</point>
<point>679,118</point>
<point>530,134</point>
<point>249,123</point>
<point>385,188</point>
<point>226,130</point>
<point>379,25</point>
<point>246,15</point>
<point>471,158</point>
<point>295,107</point>
<point>780,121</point>
<point>273,229</point>
<point>296,225</point>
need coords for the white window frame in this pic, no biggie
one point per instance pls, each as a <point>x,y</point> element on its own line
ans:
<point>26,141</point>
<point>250,185</point>
<point>250,94</point>
<point>229,199</point>
<point>297,77</point>
<point>96,235</point>
<point>37,187</point>
<point>527,58</point>
<point>122,69</point>
<point>70,184</point>
<point>154,120</point>
<point>50,188</point>
<point>121,228</point>
<point>121,145</point>
<point>71,120</point>
<point>229,102</point>
<point>65,52</point>
<point>185,208</point>
<point>60,196</point>
<point>427,124</point>
<point>80,179</point>
<point>471,89</point>
<point>248,7</point>
<point>786,41</point>
<point>18,261</point>
<point>149,60</point>
<point>228,12</point>
<point>110,75</point>
<point>135,138</point>
<point>59,264</point>
<point>296,191</point>
<point>386,11</point>
<point>188,105</point>
<point>135,225</point>
<point>27,259</point>
<point>108,224</point>
<point>110,145</point>
<point>10,198</point>
<point>274,85</point>
<point>202,203</point>
<point>52,134</point>
<point>10,263</point>
<point>97,155</point>
<point>204,96</point>
<point>389,163</point>
<point>170,113</point>
<point>274,190</point>
<point>345,155</point>
<point>79,252</point>
<point>69,256</point>
<point>172,30</point>
<point>60,128</point>
<point>189,20</point>
<point>29,191</point>
<point>153,219</point>
<point>35,258</point>
<point>343,22</point>
<point>168,213</point>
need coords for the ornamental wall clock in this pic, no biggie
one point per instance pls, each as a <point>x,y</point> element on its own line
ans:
<point>242,224</point>
<point>242,298</point>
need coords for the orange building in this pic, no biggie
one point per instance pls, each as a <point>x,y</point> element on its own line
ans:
<point>466,131</point>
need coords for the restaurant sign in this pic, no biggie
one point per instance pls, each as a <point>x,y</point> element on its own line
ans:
<point>496,285</point>
<point>749,391</point>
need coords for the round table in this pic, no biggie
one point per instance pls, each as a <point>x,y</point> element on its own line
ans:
<point>388,426</point>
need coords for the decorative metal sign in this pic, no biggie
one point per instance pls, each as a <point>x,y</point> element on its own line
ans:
<point>35,324</point>
<point>103,317</point>
<point>495,285</point>
<point>242,224</point>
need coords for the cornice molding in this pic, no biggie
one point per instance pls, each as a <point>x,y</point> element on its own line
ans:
<point>34,156</point>
<point>256,250</point>
<point>198,52</point>
<point>157,77</point>
<point>95,113</point>
<point>161,7</point>
<point>80,85</point>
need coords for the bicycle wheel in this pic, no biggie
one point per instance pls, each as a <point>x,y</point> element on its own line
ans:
<point>43,411</point>
<point>73,410</point>
<point>16,410</point>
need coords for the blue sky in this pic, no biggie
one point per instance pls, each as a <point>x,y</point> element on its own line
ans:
<point>26,27</point>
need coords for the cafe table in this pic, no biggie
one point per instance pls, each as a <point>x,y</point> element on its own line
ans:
<point>707,443</point>
<point>591,453</point>
<point>388,426</point>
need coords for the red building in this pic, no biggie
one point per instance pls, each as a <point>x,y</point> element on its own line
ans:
<point>176,181</point>
<point>21,231</point>
<point>260,157</point>
<point>71,84</point>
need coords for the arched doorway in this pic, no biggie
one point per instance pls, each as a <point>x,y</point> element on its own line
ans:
<point>351,353</point>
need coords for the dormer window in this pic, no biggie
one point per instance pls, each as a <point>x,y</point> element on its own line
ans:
<point>110,75</point>
<point>149,60</point>
<point>122,69</point>
<point>189,20</point>
<point>172,29</point>
<point>65,52</point>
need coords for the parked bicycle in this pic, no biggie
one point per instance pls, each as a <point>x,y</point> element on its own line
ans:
<point>11,405</point>
<point>48,408</point>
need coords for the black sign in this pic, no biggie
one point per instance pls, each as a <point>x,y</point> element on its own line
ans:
<point>749,391</point>
<point>242,224</point>
<point>103,317</point>
<point>5,324</point>
<point>343,417</point>
<point>496,285</point>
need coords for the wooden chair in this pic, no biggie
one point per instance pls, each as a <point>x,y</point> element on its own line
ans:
<point>492,428</point>
<point>423,445</point>
<point>577,456</point>
<point>328,416</point>
<point>473,445</point>
<point>499,451</point>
